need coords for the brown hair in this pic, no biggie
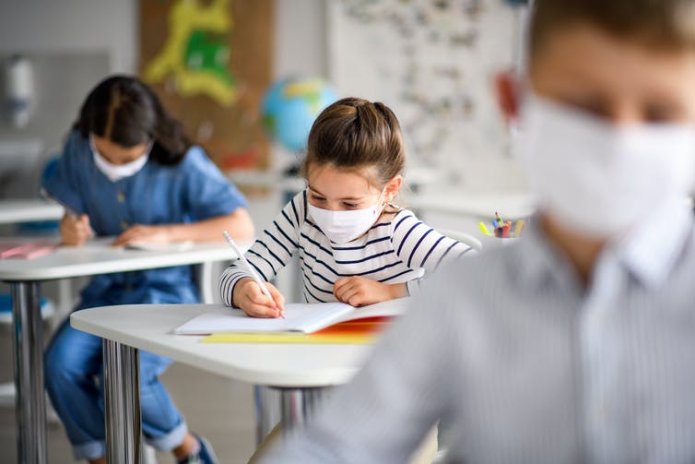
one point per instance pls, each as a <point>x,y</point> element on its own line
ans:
<point>353,134</point>
<point>661,24</point>
<point>127,112</point>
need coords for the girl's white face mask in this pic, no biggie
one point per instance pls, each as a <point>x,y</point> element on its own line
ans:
<point>116,172</point>
<point>598,178</point>
<point>345,226</point>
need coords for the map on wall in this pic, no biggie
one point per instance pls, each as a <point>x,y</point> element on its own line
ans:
<point>433,62</point>
<point>210,62</point>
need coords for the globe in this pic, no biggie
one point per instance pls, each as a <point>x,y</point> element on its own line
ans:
<point>290,107</point>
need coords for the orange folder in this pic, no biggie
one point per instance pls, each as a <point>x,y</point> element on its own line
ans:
<point>358,332</point>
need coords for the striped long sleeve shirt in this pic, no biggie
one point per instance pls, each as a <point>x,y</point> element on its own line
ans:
<point>399,249</point>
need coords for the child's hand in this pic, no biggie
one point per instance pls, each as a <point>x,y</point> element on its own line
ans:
<point>148,234</point>
<point>360,291</point>
<point>249,297</point>
<point>75,230</point>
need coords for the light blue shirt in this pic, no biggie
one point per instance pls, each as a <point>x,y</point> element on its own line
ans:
<point>526,365</point>
<point>193,190</point>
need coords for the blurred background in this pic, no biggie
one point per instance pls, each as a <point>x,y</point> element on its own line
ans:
<point>432,61</point>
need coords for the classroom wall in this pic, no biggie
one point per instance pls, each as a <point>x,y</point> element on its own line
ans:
<point>71,26</point>
<point>74,43</point>
<point>111,26</point>
<point>71,44</point>
<point>300,37</point>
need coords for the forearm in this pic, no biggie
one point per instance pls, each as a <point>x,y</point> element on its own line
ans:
<point>421,247</point>
<point>399,290</point>
<point>238,224</point>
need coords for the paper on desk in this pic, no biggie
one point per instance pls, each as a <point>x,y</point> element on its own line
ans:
<point>298,318</point>
<point>25,250</point>
<point>305,318</point>
<point>346,333</point>
<point>152,246</point>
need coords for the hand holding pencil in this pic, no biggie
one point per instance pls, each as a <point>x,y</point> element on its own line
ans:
<point>255,297</point>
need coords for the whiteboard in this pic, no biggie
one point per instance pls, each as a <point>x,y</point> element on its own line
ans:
<point>433,62</point>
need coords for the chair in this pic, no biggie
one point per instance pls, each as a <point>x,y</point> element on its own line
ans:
<point>47,308</point>
<point>463,237</point>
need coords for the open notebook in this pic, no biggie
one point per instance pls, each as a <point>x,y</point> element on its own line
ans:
<point>303,318</point>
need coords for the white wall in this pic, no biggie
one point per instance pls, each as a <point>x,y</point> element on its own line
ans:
<point>300,38</point>
<point>72,26</point>
<point>112,25</point>
<point>74,43</point>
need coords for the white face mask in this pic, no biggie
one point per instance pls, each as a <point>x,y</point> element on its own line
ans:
<point>116,172</point>
<point>345,226</point>
<point>601,179</point>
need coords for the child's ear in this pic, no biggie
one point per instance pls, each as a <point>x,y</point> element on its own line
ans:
<point>393,187</point>
<point>507,93</point>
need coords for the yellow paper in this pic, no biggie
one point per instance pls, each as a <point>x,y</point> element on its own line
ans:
<point>293,338</point>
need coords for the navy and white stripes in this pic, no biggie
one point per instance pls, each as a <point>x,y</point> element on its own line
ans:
<point>397,249</point>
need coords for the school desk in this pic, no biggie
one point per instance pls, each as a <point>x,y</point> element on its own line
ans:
<point>479,206</point>
<point>15,211</point>
<point>25,276</point>
<point>300,372</point>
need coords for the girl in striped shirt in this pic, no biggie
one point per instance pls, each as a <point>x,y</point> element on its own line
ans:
<point>354,244</point>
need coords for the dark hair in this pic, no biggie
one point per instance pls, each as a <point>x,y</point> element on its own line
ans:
<point>127,112</point>
<point>354,133</point>
<point>660,24</point>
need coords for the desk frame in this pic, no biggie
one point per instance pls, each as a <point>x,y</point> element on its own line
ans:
<point>30,401</point>
<point>122,404</point>
<point>28,340</point>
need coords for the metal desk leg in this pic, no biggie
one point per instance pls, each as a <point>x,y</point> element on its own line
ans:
<point>298,404</point>
<point>30,402</point>
<point>267,411</point>
<point>122,403</point>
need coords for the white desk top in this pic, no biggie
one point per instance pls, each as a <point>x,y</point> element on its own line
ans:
<point>271,179</point>
<point>267,179</point>
<point>13,211</point>
<point>150,328</point>
<point>97,257</point>
<point>478,205</point>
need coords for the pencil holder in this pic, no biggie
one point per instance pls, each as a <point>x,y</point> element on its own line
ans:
<point>494,242</point>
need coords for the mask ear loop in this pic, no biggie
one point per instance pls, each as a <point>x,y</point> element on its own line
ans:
<point>380,205</point>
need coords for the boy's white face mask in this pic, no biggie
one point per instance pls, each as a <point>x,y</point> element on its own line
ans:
<point>345,226</point>
<point>598,178</point>
<point>116,172</point>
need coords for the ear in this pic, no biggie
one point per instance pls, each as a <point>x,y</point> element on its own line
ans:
<point>507,92</point>
<point>393,187</point>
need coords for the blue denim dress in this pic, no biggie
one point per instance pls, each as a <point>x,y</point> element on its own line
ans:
<point>193,190</point>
